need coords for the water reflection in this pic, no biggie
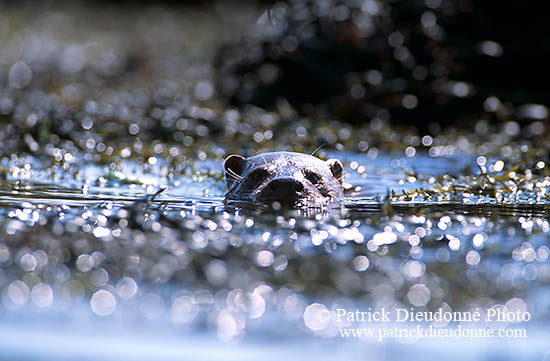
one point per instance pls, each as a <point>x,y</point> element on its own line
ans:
<point>227,252</point>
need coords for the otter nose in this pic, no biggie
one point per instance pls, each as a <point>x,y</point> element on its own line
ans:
<point>285,185</point>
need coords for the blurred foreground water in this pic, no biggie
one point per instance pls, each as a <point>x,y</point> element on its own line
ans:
<point>177,272</point>
<point>116,243</point>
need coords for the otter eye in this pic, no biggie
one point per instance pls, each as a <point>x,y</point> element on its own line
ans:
<point>256,177</point>
<point>312,177</point>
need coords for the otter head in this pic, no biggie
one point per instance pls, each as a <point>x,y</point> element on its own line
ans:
<point>291,179</point>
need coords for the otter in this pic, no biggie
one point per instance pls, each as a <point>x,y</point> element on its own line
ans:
<point>287,178</point>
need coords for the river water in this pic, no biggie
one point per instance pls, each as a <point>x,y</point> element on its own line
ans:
<point>183,276</point>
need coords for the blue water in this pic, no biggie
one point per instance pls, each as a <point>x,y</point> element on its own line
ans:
<point>41,317</point>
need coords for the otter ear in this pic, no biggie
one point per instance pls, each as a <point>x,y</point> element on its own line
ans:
<point>234,166</point>
<point>336,168</point>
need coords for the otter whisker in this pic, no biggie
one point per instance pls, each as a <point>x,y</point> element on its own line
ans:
<point>230,177</point>
<point>234,175</point>
<point>318,149</point>
<point>265,160</point>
